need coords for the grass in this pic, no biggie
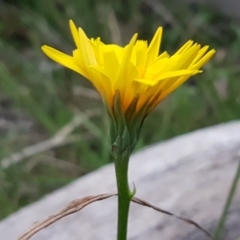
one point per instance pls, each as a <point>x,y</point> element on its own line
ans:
<point>38,97</point>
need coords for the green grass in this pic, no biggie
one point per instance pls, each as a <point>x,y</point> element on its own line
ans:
<point>37,91</point>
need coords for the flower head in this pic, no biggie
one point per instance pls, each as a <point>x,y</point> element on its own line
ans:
<point>134,70</point>
<point>134,78</point>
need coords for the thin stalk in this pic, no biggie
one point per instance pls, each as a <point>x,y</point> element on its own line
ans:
<point>223,218</point>
<point>124,197</point>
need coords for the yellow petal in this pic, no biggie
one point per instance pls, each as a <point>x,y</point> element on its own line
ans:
<point>188,56</point>
<point>166,75</point>
<point>200,54</point>
<point>111,65</point>
<point>153,49</point>
<point>61,58</point>
<point>75,34</point>
<point>141,53</point>
<point>86,49</point>
<point>204,59</point>
<point>185,47</point>
<point>122,81</point>
<point>101,82</point>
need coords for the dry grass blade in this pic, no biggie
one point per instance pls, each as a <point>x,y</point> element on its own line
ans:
<point>79,204</point>
<point>71,208</point>
<point>61,138</point>
<point>185,219</point>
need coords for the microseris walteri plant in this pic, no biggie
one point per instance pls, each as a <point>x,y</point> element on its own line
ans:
<point>132,80</point>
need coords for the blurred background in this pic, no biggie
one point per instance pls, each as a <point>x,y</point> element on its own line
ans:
<point>53,127</point>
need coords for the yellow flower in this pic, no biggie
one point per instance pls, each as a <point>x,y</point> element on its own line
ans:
<point>132,80</point>
<point>134,71</point>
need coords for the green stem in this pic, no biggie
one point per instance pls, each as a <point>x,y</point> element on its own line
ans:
<point>124,196</point>
<point>223,218</point>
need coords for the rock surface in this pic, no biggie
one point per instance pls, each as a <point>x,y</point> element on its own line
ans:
<point>189,175</point>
